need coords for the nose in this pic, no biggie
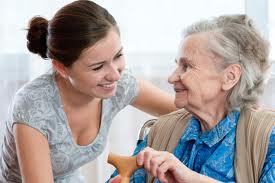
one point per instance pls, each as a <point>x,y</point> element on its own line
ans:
<point>174,77</point>
<point>113,73</point>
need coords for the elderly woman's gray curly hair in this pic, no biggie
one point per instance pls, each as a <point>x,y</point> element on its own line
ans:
<point>236,41</point>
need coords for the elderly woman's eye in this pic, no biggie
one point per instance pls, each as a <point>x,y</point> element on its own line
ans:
<point>185,66</point>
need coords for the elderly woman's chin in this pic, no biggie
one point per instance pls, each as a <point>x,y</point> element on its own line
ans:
<point>181,102</point>
<point>181,98</point>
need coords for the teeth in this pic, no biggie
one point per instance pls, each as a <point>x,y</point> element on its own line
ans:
<point>108,85</point>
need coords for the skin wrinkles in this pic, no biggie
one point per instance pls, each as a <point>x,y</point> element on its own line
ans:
<point>195,66</point>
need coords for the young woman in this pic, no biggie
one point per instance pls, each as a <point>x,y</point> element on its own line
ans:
<point>59,121</point>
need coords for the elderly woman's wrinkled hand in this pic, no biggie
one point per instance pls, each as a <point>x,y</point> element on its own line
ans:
<point>164,166</point>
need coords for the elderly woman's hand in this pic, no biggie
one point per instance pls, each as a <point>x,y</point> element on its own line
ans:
<point>165,166</point>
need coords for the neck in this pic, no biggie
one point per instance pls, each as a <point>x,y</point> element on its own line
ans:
<point>72,97</point>
<point>209,115</point>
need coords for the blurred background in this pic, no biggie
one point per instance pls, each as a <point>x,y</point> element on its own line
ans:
<point>150,32</point>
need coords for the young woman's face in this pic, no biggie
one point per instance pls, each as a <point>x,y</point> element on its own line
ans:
<point>98,68</point>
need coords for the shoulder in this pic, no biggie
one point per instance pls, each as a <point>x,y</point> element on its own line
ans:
<point>126,83</point>
<point>256,129</point>
<point>167,130</point>
<point>126,75</point>
<point>127,90</point>
<point>32,100</point>
<point>173,116</point>
<point>255,124</point>
<point>33,89</point>
<point>258,117</point>
<point>179,112</point>
<point>259,112</point>
<point>170,120</point>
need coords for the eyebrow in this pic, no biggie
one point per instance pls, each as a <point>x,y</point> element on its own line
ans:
<point>183,59</point>
<point>101,62</point>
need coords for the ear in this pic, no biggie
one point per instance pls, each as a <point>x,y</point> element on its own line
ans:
<point>232,75</point>
<point>60,68</point>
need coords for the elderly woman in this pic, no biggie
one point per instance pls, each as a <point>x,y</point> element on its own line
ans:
<point>219,135</point>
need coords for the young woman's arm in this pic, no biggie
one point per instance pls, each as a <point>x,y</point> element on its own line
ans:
<point>33,155</point>
<point>153,100</point>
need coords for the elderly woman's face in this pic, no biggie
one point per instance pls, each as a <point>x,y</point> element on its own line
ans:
<point>197,80</point>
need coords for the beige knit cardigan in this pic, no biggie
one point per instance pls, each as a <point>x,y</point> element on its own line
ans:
<point>252,140</point>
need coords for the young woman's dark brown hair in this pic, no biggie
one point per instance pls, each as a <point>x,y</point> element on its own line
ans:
<point>59,121</point>
<point>74,28</point>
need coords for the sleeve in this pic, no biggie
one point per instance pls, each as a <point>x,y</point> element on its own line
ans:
<point>127,90</point>
<point>139,175</point>
<point>30,110</point>
<point>268,172</point>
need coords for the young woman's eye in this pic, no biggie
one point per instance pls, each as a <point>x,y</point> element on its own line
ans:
<point>98,68</point>
<point>118,56</point>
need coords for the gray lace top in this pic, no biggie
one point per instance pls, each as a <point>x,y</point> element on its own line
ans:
<point>38,105</point>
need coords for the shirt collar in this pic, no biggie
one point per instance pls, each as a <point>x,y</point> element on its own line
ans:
<point>210,138</point>
<point>193,130</point>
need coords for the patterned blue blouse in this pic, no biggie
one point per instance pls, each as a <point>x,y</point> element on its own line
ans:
<point>212,152</point>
